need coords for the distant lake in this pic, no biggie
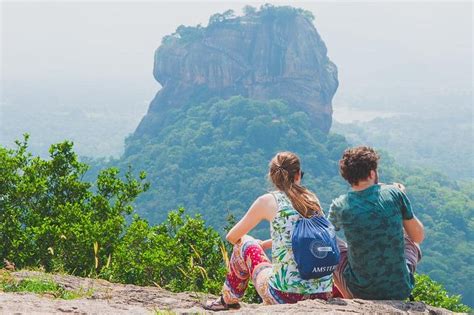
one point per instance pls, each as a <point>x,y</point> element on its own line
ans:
<point>349,115</point>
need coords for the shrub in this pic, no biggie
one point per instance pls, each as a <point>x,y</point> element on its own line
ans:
<point>180,254</point>
<point>50,217</point>
<point>434,294</point>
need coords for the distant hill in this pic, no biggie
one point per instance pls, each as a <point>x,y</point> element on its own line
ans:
<point>441,141</point>
<point>429,127</point>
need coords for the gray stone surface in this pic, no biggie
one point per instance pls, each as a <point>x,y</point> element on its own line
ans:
<point>112,298</point>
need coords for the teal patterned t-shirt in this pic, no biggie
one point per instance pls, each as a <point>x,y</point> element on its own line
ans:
<point>372,222</point>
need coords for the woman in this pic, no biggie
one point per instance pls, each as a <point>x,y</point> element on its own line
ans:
<point>278,281</point>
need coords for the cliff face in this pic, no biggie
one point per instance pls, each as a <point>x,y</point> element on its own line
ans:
<point>270,54</point>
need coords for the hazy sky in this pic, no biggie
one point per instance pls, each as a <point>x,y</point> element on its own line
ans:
<point>65,51</point>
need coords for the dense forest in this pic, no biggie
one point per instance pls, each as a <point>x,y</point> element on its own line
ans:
<point>51,219</point>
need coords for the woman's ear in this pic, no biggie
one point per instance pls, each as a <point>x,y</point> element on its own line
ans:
<point>298,177</point>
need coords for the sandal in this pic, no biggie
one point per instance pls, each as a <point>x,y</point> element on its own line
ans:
<point>220,305</point>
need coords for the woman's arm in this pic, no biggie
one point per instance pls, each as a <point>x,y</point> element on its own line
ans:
<point>264,208</point>
<point>266,244</point>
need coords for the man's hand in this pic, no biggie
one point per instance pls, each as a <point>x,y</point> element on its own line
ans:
<point>400,186</point>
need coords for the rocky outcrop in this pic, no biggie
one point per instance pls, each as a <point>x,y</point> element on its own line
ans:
<point>275,53</point>
<point>111,298</point>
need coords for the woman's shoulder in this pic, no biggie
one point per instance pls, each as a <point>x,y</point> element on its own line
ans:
<point>276,195</point>
<point>268,198</point>
<point>267,205</point>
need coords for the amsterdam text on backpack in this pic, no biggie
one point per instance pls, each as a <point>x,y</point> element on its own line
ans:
<point>315,247</point>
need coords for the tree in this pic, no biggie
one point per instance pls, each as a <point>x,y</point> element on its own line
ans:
<point>50,217</point>
<point>249,10</point>
<point>221,17</point>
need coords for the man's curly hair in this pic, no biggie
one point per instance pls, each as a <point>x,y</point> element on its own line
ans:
<point>356,163</point>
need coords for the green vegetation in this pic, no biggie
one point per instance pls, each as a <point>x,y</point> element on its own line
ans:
<point>180,254</point>
<point>435,294</point>
<point>221,17</point>
<point>431,127</point>
<point>212,157</point>
<point>39,285</point>
<point>187,34</point>
<point>51,217</point>
<point>436,140</point>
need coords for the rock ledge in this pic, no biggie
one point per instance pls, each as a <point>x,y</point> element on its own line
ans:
<point>112,298</point>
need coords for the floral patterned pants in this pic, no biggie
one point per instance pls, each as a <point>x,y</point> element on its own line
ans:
<point>249,261</point>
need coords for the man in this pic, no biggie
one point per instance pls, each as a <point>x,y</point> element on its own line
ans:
<point>381,230</point>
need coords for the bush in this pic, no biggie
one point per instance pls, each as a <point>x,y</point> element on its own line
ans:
<point>50,217</point>
<point>180,254</point>
<point>434,294</point>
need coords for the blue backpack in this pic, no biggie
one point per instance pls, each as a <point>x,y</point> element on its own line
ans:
<point>315,247</point>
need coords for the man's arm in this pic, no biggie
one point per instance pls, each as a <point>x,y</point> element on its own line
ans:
<point>414,229</point>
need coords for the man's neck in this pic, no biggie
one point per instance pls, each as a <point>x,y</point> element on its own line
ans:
<point>362,185</point>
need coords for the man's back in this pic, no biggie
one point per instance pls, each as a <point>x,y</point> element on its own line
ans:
<point>372,223</point>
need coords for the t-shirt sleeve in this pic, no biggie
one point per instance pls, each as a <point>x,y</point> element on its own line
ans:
<point>334,216</point>
<point>405,205</point>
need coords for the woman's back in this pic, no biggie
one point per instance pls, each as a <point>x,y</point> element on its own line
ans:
<point>278,281</point>
<point>286,277</point>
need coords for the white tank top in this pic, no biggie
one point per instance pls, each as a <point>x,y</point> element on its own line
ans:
<point>285,276</point>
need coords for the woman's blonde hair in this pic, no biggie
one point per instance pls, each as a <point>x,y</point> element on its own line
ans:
<point>283,168</point>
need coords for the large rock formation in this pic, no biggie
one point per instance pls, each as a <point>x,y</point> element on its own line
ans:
<point>274,53</point>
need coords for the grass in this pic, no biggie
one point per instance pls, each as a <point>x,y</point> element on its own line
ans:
<point>38,285</point>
